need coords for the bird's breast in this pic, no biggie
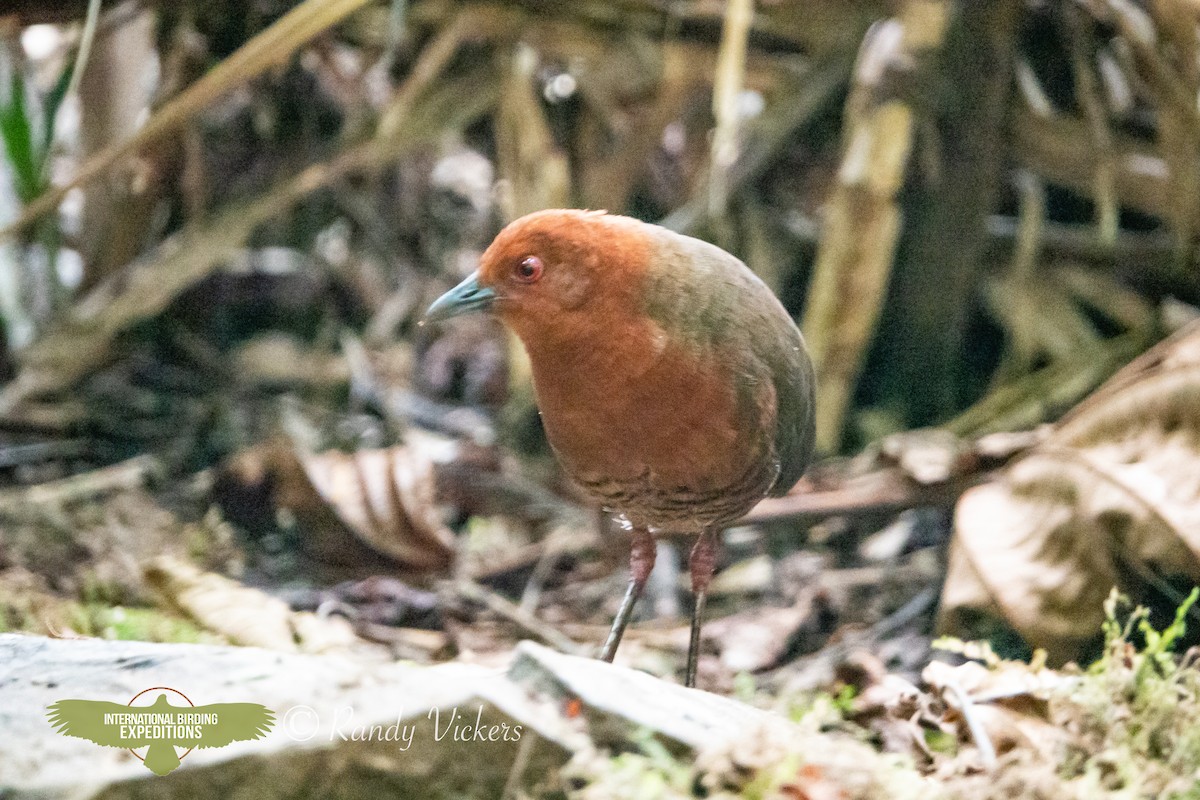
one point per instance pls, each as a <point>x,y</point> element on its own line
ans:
<point>664,435</point>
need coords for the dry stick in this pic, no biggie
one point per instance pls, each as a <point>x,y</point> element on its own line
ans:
<point>767,134</point>
<point>532,595</point>
<point>511,612</point>
<point>1034,398</point>
<point>269,48</point>
<point>727,87</point>
<point>512,786</point>
<point>1111,297</point>
<point>1178,125</point>
<point>1136,253</point>
<point>987,752</point>
<point>129,474</point>
<point>885,490</point>
<point>436,56</point>
<point>17,454</point>
<point>1030,220</point>
<point>1024,334</point>
<point>1133,27</point>
<point>85,48</point>
<point>1088,91</point>
<point>86,40</point>
<point>1061,151</point>
<point>1140,248</point>
<point>774,27</point>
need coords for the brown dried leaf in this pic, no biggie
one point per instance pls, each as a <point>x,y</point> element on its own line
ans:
<point>245,615</point>
<point>895,710</point>
<point>1109,498</point>
<point>369,508</point>
<point>756,640</point>
<point>813,783</point>
<point>386,498</point>
<point>1005,703</point>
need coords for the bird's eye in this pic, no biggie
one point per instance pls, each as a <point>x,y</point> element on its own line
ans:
<point>529,269</point>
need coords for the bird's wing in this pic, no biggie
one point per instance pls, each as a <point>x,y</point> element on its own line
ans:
<point>236,722</point>
<point>795,433</point>
<point>85,719</point>
<point>778,386</point>
<point>714,302</point>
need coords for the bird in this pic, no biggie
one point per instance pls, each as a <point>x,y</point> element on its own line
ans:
<point>160,727</point>
<point>673,386</point>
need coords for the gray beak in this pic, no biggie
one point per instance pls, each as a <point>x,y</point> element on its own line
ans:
<point>468,296</point>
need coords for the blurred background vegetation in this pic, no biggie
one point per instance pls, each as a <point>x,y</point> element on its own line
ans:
<point>221,222</point>
<point>978,211</point>
<point>220,421</point>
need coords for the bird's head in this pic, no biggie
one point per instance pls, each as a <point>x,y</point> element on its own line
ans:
<point>552,271</point>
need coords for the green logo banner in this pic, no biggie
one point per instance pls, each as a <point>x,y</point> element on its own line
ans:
<point>160,727</point>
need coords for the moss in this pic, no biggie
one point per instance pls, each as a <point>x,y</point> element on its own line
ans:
<point>1135,710</point>
<point>137,624</point>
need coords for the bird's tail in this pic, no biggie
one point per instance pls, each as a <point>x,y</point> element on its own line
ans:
<point>161,758</point>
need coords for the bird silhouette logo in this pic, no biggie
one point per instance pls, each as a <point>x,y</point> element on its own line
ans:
<point>160,727</point>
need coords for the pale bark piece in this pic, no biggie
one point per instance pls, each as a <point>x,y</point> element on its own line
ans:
<point>348,727</point>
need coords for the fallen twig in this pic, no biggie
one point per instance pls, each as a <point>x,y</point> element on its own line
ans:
<point>129,474</point>
<point>987,751</point>
<point>513,613</point>
<point>32,452</point>
<point>887,489</point>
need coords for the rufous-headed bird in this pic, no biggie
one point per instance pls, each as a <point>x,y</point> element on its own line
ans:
<point>672,384</point>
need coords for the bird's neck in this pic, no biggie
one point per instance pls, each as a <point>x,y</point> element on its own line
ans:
<point>592,357</point>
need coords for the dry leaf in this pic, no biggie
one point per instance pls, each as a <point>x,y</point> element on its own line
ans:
<point>1004,703</point>
<point>812,783</point>
<point>1109,498</point>
<point>243,614</point>
<point>368,508</point>
<point>756,640</point>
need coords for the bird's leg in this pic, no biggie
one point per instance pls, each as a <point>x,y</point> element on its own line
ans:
<point>641,562</point>
<point>702,563</point>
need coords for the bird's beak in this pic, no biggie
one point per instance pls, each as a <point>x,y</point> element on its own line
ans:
<point>466,297</point>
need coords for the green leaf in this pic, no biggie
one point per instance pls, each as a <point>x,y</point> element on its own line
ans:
<point>17,132</point>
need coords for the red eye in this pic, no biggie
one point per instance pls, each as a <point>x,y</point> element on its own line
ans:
<point>529,269</point>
